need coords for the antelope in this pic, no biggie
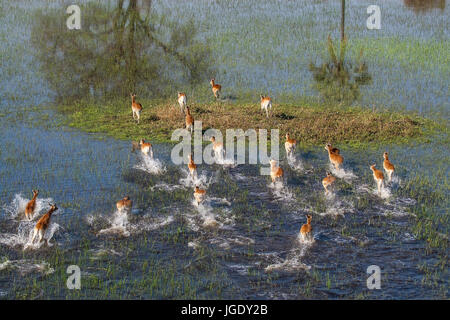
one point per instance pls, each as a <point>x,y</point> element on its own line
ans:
<point>199,195</point>
<point>388,166</point>
<point>136,107</point>
<point>266,103</point>
<point>328,181</point>
<point>215,88</point>
<point>192,167</point>
<point>42,225</point>
<point>305,230</point>
<point>146,148</point>
<point>335,158</point>
<point>289,145</point>
<point>124,204</point>
<point>275,171</point>
<point>217,147</point>
<point>378,177</point>
<point>189,120</point>
<point>182,101</point>
<point>31,205</point>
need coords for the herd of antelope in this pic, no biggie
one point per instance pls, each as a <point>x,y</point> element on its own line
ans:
<point>276,172</point>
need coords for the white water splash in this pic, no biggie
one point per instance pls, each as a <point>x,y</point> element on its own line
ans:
<point>293,261</point>
<point>341,173</point>
<point>295,162</point>
<point>24,235</point>
<point>16,209</point>
<point>25,267</point>
<point>198,180</point>
<point>150,165</point>
<point>281,192</point>
<point>207,215</point>
<point>119,224</point>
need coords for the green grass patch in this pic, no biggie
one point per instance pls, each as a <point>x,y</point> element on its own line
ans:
<point>309,124</point>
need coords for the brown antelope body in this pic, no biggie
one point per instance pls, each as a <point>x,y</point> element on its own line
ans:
<point>182,101</point>
<point>305,230</point>
<point>125,204</point>
<point>199,195</point>
<point>192,167</point>
<point>289,145</point>
<point>31,205</point>
<point>388,166</point>
<point>378,176</point>
<point>189,120</point>
<point>276,173</point>
<point>266,104</point>
<point>216,88</point>
<point>42,225</point>
<point>328,181</point>
<point>217,147</point>
<point>136,108</point>
<point>335,158</point>
<point>146,148</point>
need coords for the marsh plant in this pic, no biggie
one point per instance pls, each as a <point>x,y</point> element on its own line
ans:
<point>120,48</point>
<point>338,80</point>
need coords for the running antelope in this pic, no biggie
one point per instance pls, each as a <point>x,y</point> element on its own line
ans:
<point>215,88</point>
<point>182,101</point>
<point>124,204</point>
<point>42,225</point>
<point>289,145</point>
<point>31,205</point>
<point>335,158</point>
<point>378,177</point>
<point>388,166</point>
<point>266,104</point>
<point>192,167</point>
<point>328,181</point>
<point>199,195</point>
<point>136,107</point>
<point>275,171</point>
<point>146,148</point>
<point>189,120</point>
<point>305,230</point>
<point>217,147</point>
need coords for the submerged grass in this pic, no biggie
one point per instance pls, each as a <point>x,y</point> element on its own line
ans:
<point>309,123</point>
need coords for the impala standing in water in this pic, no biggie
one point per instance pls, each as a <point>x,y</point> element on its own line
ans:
<point>136,108</point>
<point>266,104</point>
<point>335,158</point>
<point>305,230</point>
<point>328,181</point>
<point>31,205</point>
<point>216,88</point>
<point>192,167</point>
<point>289,145</point>
<point>276,173</point>
<point>42,225</point>
<point>218,149</point>
<point>199,195</point>
<point>388,166</point>
<point>189,119</point>
<point>146,148</point>
<point>182,101</point>
<point>124,204</point>
<point>378,176</point>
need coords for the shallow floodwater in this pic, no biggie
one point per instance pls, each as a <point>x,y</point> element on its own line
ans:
<point>242,242</point>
